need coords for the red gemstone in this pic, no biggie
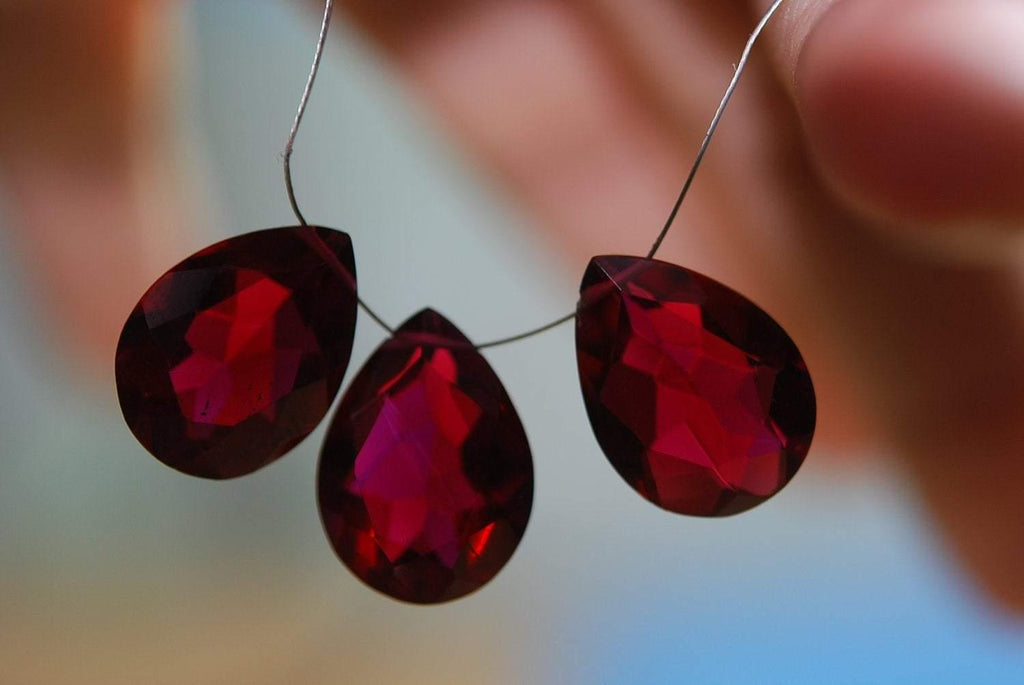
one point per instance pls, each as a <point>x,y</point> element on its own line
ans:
<point>426,479</point>
<point>235,355</point>
<point>698,398</point>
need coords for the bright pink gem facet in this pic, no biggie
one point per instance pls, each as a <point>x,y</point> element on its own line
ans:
<point>698,398</point>
<point>235,354</point>
<point>426,479</point>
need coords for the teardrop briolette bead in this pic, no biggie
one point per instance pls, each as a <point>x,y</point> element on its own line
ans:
<point>234,355</point>
<point>698,398</point>
<point>426,479</point>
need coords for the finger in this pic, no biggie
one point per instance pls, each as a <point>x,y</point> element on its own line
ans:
<point>914,110</point>
<point>937,347</point>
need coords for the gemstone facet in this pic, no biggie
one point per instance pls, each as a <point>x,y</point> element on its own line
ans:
<point>698,398</point>
<point>426,479</point>
<point>235,354</point>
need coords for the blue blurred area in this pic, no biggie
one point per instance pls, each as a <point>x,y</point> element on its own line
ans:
<point>862,598</point>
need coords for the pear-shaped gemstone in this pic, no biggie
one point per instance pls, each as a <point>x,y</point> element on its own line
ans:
<point>426,480</point>
<point>698,398</point>
<point>235,354</point>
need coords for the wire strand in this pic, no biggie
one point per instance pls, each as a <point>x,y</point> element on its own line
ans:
<point>528,334</point>
<point>307,92</point>
<point>741,66</point>
<point>289,146</point>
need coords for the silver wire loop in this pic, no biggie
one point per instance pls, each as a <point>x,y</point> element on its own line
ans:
<point>307,91</point>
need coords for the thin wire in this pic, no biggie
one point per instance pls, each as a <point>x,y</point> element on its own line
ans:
<point>740,68</point>
<point>289,145</point>
<point>315,68</point>
<point>528,334</point>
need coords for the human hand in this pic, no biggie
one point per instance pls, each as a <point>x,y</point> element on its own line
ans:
<point>867,188</point>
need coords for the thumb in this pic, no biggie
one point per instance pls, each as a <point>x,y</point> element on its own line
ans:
<point>913,110</point>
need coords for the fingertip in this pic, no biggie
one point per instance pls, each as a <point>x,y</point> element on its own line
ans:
<point>915,111</point>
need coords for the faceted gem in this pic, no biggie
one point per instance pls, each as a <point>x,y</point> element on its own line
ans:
<point>235,355</point>
<point>426,479</point>
<point>698,398</point>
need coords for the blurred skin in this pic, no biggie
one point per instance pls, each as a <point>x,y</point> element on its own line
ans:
<point>867,188</point>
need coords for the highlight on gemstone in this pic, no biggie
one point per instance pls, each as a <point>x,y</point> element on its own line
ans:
<point>698,398</point>
<point>426,480</point>
<point>236,354</point>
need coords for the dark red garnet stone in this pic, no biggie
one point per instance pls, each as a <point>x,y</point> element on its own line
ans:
<point>426,480</point>
<point>235,355</point>
<point>698,398</point>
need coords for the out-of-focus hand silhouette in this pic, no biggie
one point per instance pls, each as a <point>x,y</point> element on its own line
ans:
<point>867,187</point>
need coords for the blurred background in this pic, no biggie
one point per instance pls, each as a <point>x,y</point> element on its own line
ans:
<point>115,569</point>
